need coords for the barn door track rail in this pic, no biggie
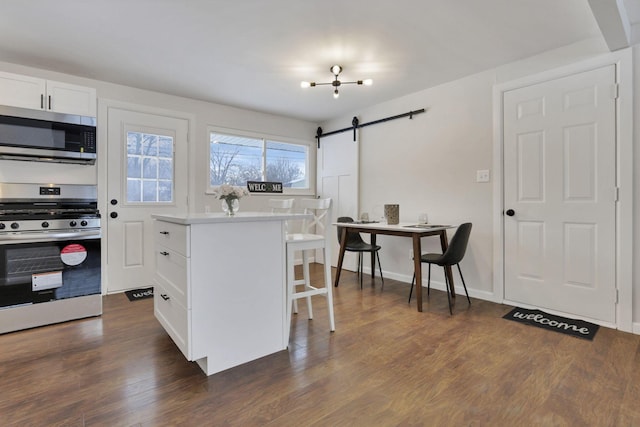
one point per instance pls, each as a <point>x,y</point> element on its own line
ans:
<point>355,124</point>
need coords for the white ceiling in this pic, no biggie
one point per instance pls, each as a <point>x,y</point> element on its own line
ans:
<point>254,53</point>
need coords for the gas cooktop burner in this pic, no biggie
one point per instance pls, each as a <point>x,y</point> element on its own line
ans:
<point>32,207</point>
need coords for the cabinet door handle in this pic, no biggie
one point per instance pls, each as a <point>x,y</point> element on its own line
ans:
<point>42,101</point>
<point>164,232</point>
<point>164,253</point>
<point>49,102</point>
<point>165,297</point>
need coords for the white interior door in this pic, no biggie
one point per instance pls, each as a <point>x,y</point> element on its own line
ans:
<point>560,182</point>
<point>338,179</point>
<point>147,161</point>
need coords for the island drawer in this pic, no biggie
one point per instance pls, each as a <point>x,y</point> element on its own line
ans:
<point>173,236</point>
<point>173,316</point>
<point>172,271</point>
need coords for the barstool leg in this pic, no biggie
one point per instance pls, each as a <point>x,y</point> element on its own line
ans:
<point>307,280</point>
<point>329,287</point>
<point>290,290</point>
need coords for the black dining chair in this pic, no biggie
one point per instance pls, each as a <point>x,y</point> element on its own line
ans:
<point>356,244</point>
<point>452,256</point>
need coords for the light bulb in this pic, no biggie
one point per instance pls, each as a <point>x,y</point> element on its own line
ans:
<point>305,84</point>
<point>335,94</point>
<point>367,82</point>
<point>336,69</point>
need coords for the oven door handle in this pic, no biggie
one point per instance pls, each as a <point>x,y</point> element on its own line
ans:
<point>48,237</point>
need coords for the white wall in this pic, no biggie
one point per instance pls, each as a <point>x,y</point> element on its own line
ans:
<point>429,163</point>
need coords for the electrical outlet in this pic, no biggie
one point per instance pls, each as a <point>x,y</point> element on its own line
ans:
<point>482,175</point>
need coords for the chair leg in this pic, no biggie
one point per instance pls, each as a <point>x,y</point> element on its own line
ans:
<point>411,290</point>
<point>379,268</point>
<point>291,303</point>
<point>360,265</point>
<point>307,280</point>
<point>446,285</point>
<point>463,284</point>
<point>329,287</point>
<point>429,281</point>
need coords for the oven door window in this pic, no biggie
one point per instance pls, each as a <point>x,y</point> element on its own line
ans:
<point>39,272</point>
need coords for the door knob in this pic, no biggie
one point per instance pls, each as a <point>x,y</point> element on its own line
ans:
<point>113,214</point>
<point>510,212</point>
<point>114,202</point>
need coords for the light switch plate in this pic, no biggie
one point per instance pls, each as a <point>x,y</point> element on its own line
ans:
<point>482,175</point>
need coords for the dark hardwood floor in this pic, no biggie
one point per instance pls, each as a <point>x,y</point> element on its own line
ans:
<point>385,365</point>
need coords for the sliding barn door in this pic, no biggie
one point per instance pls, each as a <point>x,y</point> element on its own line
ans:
<point>338,179</point>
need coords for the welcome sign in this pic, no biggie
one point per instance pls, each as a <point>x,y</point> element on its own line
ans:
<point>264,187</point>
<point>540,319</point>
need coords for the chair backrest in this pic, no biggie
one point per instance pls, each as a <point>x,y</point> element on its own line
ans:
<point>457,246</point>
<point>321,211</point>
<point>352,237</point>
<point>281,205</point>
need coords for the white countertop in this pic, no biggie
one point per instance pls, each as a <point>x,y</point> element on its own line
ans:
<point>220,217</point>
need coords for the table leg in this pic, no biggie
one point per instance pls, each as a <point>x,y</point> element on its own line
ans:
<point>343,245</point>
<point>372,240</point>
<point>444,244</point>
<point>417,267</point>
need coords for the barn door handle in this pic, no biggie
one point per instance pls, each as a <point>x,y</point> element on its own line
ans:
<point>164,253</point>
<point>510,212</point>
<point>165,297</point>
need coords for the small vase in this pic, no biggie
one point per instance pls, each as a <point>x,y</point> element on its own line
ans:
<point>230,206</point>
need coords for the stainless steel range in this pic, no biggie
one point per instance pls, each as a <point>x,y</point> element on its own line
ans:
<point>49,254</point>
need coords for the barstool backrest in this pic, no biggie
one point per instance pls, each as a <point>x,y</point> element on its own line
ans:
<point>321,210</point>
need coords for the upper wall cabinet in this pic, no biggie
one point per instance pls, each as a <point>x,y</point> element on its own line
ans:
<point>29,92</point>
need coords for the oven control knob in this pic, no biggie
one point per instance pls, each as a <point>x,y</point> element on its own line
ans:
<point>15,225</point>
<point>2,226</point>
<point>83,223</point>
<point>73,223</point>
<point>45,224</point>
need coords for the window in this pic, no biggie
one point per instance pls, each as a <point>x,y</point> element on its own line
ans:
<point>237,159</point>
<point>149,168</point>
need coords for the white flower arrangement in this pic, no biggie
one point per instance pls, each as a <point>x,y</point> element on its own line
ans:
<point>230,192</point>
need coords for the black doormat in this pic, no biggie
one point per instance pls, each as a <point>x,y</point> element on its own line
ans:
<point>573,327</point>
<point>138,294</point>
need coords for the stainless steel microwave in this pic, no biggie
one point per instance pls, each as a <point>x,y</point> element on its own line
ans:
<point>46,136</point>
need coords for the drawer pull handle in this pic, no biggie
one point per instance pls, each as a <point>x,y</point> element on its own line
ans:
<point>164,253</point>
<point>165,297</point>
<point>164,232</point>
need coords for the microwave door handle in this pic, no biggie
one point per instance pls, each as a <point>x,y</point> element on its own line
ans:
<point>47,237</point>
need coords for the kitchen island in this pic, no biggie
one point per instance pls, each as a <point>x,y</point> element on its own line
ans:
<point>220,285</point>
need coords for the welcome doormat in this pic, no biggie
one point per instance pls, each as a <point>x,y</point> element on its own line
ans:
<point>138,294</point>
<point>573,327</point>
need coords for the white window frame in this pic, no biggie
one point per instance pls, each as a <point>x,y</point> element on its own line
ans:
<point>310,166</point>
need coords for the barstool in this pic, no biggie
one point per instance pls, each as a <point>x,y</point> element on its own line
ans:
<point>305,241</point>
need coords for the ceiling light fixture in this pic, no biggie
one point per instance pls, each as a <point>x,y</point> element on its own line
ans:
<point>336,70</point>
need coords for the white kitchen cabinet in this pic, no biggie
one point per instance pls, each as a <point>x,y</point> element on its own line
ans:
<point>21,91</point>
<point>220,285</point>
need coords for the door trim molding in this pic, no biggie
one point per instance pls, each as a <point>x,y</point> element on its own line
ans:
<point>623,61</point>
